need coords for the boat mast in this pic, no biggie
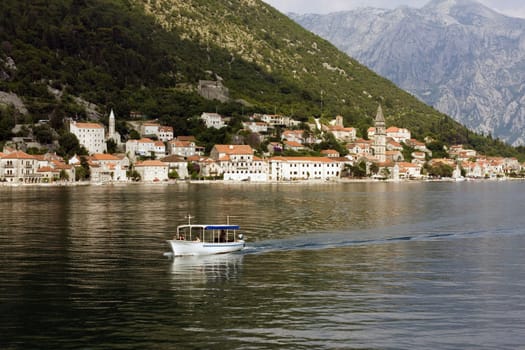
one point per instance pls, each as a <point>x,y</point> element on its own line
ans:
<point>228,218</point>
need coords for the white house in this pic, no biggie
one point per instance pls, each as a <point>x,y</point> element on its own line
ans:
<point>182,148</point>
<point>238,163</point>
<point>257,127</point>
<point>275,119</point>
<point>142,147</point>
<point>107,167</point>
<point>177,163</point>
<point>419,146</point>
<point>152,170</point>
<point>330,153</point>
<point>159,148</point>
<point>149,128</point>
<point>360,147</point>
<point>207,166</point>
<point>409,170</point>
<point>398,134</point>
<point>293,146</point>
<point>298,136</point>
<point>163,133</point>
<point>342,133</point>
<point>213,120</point>
<point>89,135</point>
<point>303,168</point>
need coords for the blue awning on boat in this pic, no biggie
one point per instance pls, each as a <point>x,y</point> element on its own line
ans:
<point>222,227</point>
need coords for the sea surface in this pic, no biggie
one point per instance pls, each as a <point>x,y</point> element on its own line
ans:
<point>327,266</point>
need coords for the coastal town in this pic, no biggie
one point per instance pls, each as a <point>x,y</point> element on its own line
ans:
<point>158,156</point>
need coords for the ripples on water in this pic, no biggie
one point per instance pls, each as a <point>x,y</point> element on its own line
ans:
<point>327,266</point>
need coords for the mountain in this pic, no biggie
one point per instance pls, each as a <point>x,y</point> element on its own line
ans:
<point>459,56</point>
<point>60,57</point>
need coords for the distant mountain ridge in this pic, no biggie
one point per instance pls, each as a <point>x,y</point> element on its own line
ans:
<point>459,56</point>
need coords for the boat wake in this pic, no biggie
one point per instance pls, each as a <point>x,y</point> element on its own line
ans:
<point>331,240</point>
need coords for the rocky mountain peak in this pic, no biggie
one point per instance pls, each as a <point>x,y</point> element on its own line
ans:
<point>459,56</point>
<point>466,12</point>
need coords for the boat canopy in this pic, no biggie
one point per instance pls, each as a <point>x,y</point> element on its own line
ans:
<point>221,227</point>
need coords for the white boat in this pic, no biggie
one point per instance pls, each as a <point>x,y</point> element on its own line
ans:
<point>195,239</point>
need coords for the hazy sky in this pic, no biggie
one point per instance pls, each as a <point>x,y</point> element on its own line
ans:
<point>515,8</point>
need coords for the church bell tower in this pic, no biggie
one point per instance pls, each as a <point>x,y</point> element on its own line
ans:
<point>380,136</point>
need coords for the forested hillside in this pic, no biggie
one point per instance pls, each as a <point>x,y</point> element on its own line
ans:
<point>148,56</point>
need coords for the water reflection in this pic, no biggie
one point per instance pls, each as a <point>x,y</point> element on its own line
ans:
<point>205,269</point>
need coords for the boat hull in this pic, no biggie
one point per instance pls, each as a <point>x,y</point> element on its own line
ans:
<point>181,247</point>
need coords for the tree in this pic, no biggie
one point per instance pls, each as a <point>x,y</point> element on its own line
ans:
<point>438,149</point>
<point>70,146</point>
<point>359,170</point>
<point>43,134</point>
<point>374,168</point>
<point>173,174</point>
<point>82,172</point>
<point>439,170</point>
<point>134,135</point>
<point>133,175</point>
<point>111,146</point>
<point>64,175</point>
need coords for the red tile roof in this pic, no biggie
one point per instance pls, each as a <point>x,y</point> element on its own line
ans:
<point>19,155</point>
<point>234,149</point>
<point>89,126</point>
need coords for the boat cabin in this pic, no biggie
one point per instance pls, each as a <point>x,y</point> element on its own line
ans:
<point>207,233</point>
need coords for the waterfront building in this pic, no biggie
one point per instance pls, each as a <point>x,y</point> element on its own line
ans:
<point>19,166</point>
<point>409,170</point>
<point>152,170</point>
<point>304,168</point>
<point>106,168</point>
<point>177,163</point>
<point>238,163</point>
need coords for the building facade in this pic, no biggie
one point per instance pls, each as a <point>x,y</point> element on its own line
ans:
<point>379,145</point>
<point>303,168</point>
<point>90,135</point>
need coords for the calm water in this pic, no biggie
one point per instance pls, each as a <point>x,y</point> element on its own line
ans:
<point>335,266</point>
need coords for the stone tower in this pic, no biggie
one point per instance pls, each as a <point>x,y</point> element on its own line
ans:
<point>112,134</point>
<point>380,136</point>
<point>111,124</point>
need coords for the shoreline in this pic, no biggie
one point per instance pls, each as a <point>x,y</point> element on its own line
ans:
<point>232,182</point>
